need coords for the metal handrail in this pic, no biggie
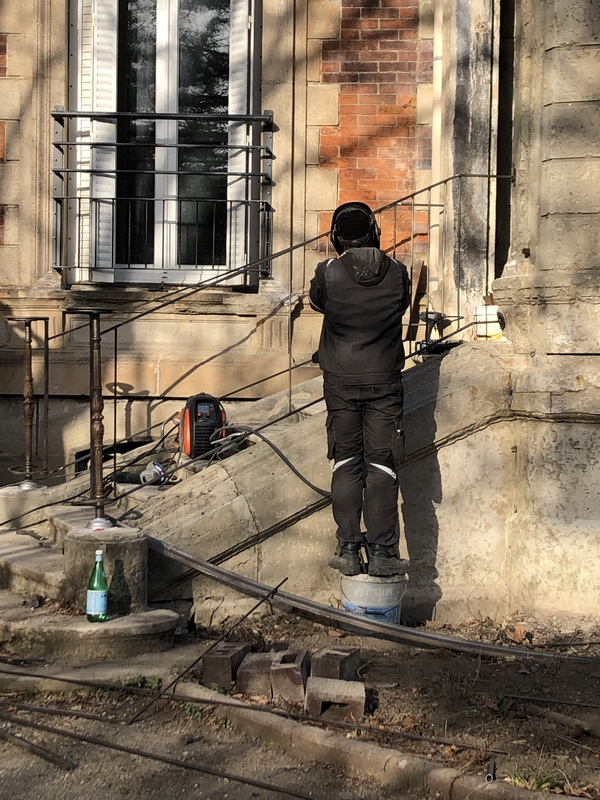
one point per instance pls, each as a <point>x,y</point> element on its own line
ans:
<point>184,292</point>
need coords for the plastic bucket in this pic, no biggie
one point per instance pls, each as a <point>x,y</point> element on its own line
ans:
<point>377,598</point>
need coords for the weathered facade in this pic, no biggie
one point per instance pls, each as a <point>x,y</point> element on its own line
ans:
<point>349,86</point>
<point>372,101</point>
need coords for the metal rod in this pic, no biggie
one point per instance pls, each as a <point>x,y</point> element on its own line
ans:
<point>46,407</point>
<point>229,630</point>
<point>28,403</point>
<point>36,750</point>
<point>96,416</point>
<point>156,757</point>
<point>363,625</point>
<point>29,396</point>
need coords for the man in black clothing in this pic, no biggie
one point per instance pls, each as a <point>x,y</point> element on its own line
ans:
<point>362,295</point>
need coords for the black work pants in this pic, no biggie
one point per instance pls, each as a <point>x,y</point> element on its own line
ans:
<point>365,439</point>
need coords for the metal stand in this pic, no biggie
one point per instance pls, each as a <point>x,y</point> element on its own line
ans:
<point>96,419</point>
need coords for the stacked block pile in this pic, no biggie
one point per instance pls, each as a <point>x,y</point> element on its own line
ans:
<point>326,683</point>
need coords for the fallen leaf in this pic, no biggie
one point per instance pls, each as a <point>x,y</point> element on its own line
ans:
<point>518,634</point>
<point>408,722</point>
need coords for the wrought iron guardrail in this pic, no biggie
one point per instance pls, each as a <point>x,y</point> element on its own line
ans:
<point>160,197</point>
<point>423,229</point>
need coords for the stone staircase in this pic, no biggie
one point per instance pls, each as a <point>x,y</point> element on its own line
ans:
<point>38,618</point>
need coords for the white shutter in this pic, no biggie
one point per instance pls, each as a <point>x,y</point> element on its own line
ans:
<point>239,103</point>
<point>96,91</point>
<point>104,98</point>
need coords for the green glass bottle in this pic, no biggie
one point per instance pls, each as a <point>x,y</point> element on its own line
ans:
<point>97,591</point>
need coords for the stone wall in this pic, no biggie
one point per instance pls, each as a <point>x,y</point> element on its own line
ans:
<point>551,288</point>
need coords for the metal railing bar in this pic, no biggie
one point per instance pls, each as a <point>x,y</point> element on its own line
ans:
<point>110,172</point>
<point>191,290</point>
<point>92,143</point>
<point>211,117</point>
<point>440,183</point>
<point>184,292</point>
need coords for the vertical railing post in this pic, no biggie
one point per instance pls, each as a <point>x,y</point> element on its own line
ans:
<point>29,398</point>
<point>28,409</point>
<point>97,497</point>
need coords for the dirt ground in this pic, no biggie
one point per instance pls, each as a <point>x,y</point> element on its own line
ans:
<point>479,709</point>
<point>470,712</point>
<point>181,732</point>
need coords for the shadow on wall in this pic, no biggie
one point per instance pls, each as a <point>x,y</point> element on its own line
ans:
<point>421,492</point>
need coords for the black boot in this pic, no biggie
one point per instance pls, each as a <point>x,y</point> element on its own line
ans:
<point>384,561</point>
<point>346,558</point>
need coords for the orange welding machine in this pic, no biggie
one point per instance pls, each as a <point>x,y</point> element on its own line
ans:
<point>202,416</point>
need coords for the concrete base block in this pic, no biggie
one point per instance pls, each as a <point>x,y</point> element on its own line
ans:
<point>340,663</point>
<point>334,699</point>
<point>48,636</point>
<point>254,673</point>
<point>125,562</point>
<point>289,673</point>
<point>220,665</point>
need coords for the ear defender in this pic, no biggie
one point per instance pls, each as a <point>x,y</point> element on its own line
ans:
<point>354,225</point>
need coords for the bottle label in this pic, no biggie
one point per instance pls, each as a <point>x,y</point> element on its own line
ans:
<point>96,602</point>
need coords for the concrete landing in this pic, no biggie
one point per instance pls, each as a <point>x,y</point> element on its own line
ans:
<point>49,633</point>
<point>28,568</point>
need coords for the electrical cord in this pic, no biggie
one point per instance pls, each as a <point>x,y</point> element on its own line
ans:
<point>253,431</point>
<point>70,500</point>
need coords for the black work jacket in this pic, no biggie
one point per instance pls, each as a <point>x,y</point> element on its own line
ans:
<point>362,295</point>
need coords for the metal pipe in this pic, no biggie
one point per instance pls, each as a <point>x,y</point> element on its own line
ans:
<point>28,407</point>
<point>96,418</point>
<point>29,397</point>
<point>363,625</point>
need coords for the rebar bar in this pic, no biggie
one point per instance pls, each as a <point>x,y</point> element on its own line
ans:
<point>157,757</point>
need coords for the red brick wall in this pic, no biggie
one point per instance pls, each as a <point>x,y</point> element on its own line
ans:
<point>377,62</point>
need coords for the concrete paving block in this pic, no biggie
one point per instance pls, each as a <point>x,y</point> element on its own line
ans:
<point>338,662</point>
<point>334,699</point>
<point>220,665</point>
<point>254,673</point>
<point>289,673</point>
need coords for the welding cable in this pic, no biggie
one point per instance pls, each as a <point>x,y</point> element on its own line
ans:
<point>169,474</point>
<point>174,762</point>
<point>204,456</point>
<point>362,625</point>
<point>79,459</point>
<point>254,431</point>
<point>72,500</point>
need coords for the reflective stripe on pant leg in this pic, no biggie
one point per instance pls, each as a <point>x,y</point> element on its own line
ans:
<point>339,464</point>
<point>385,469</point>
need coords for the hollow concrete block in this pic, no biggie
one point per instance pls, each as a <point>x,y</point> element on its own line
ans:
<point>220,665</point>
<point>289,673</point>
<point>254,673</point>
<point>334,699</point>
<point>338,662</point>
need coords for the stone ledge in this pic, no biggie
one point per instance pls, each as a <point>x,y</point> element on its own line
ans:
<point>46,634</point>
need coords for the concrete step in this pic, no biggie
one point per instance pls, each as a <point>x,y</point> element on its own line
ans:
<point>28,568</point>
<point>49,634</point>
<point>64,518</point>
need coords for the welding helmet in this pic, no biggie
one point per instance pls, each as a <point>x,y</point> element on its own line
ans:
<point>354,225</point>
